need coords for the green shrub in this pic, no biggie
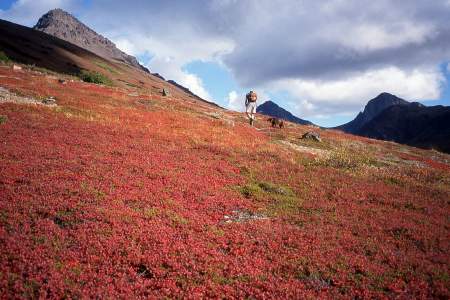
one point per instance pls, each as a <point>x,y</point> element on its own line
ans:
<point>4,57</point>
<point>282,200</point>
<point>94,77</point>
<point>3,119</point>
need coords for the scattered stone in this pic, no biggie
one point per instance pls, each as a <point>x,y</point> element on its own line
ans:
<point>313,136</point>
<point>62,81</point>
<point>49,101</point>
<point>238,216</point>
<point>7,96</point>
<point>134,94</point>
<point>165,92</point>
<point>17,68</point>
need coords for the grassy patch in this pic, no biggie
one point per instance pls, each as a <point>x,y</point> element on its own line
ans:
<point>132,85</point>
<point>151,212</point>
<point>324,145</point>
<point>106,67</point>
<point>392,181</point>
<point>3,119</point>
<point>94,77</point>
<point>282,200</point>
<point>3,57</point>
<point>175,218</point>
<point>216,230</point>
<point>345,159</point>
<point>71,112</point>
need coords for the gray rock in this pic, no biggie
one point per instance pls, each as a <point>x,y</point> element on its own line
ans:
<point>49,101</point>
<point>313,136</point>
<point>238,216</point>
<point>165,92</point>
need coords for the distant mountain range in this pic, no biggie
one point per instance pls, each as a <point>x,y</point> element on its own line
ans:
<point>272,109</point>
<point>390,118</point>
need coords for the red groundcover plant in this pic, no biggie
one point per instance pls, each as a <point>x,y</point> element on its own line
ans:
<point>111,196</point>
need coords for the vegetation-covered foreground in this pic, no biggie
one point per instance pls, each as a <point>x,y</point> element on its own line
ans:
<point>116,193</point>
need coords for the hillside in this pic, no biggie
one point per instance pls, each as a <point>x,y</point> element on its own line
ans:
<point>110,195</point>
<point>45,53</point>
<point>116,191</point>
<point>270,108</point>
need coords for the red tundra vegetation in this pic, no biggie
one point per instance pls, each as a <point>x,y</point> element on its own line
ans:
<point>113,195</point>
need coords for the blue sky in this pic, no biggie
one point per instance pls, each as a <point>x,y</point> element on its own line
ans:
<point>321,60</point>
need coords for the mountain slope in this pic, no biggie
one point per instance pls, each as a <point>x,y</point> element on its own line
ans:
<point>272,109</point>
<point>36,48</point>
<point>63,25</point>
<point>116,192</point>
<point>413,124</point>
<point>167,197</point>
<point>371,110</point>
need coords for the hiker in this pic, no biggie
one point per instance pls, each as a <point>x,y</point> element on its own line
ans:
<point>250,106</point>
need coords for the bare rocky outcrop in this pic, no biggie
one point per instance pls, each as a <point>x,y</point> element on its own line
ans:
<point>7,96</point>
<point>63,25</point>
<point>313,136</point>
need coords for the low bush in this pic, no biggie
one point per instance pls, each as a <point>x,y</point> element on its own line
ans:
<point>3,119</point>
<point>4,57</point>
<point>94,77</point>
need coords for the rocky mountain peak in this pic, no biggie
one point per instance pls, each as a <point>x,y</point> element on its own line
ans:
<point>373,108</point>
<point>63,25</point>
<point>380,103</point>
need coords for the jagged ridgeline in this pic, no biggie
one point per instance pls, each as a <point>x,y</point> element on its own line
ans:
<point>63,25</point>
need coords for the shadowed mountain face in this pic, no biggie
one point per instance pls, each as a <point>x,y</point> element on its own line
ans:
<point>63,25</point>
<point>412,124</point>
<point>25,45</point>
<point>390,118</point>
<point>372,109</point>
<point>272,109</point>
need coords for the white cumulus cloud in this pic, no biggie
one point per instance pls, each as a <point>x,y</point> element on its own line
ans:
<point>316,98</point>
<point>233,101</point>
<point>330,56</point>
<point>27,12</point>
